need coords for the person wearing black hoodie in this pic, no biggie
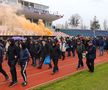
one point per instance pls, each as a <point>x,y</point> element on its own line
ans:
<point>55,56</point>
<point>12,54</point>
<point>33,53</point>
<point>24,57</point>
<point>1,61</point>
<point>73,47</point>
<point>91,56</point>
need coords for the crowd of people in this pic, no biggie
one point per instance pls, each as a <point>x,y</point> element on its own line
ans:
<point>37,49</point>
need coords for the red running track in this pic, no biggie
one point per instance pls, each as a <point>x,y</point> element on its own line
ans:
<point>37,77</point>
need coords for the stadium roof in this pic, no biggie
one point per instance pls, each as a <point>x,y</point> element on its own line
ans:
<point>34,1</point>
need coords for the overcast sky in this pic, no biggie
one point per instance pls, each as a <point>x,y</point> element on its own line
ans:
<point>87,9</point>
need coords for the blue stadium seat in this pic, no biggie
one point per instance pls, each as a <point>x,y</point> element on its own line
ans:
<point>75,32</point>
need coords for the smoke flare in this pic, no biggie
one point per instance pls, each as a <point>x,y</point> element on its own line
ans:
<point>18,24</point>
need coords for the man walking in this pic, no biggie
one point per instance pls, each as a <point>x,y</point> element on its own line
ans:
<point>24,57</point>
<point>80,49</point>
<point>63,48</point>
<point>1,61</point>
<point>12,57</point>
<point>91,55</point>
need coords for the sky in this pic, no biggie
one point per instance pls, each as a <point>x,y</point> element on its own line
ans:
<point>87,9</point>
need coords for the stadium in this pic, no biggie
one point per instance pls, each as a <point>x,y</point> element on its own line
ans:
<point>35,11</point>
<point>36,55</point>
<point>30,13</point>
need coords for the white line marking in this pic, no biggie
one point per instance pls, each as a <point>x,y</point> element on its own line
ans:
<point>40,73</point>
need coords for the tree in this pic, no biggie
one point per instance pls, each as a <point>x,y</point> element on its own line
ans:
<point>74,20</point>
<point>95,24</point>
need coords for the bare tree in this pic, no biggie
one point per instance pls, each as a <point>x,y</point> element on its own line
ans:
<point>74,20</point>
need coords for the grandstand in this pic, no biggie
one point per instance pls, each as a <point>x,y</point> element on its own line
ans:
<point>75,32</point>
<point>35,11</point>
<point>26,17</point>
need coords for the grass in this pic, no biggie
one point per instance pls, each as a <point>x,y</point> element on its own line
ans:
<point>82,81</point>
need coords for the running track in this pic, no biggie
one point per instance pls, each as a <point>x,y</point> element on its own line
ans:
<point>37,77</point>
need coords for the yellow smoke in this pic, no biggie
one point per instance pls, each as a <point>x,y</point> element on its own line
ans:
<point>39,28</point>
<point>9,18</point>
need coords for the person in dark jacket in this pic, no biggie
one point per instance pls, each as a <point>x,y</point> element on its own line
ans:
<point>55,57</point>
<point>45,51</point>
<point>91,55</point>
<point>37,52</point>
<point>50,45</point>
<point>1,61</point>
<point>24,57</point>
<point>101,46</point>
<point>73,46</point>
<point>28,43</point>
<point>12,60</point>
<point>18,50</point>
<point>33,53</point>
<point>68,47</point>
<point>80,49</point>
<point>107,45</point>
